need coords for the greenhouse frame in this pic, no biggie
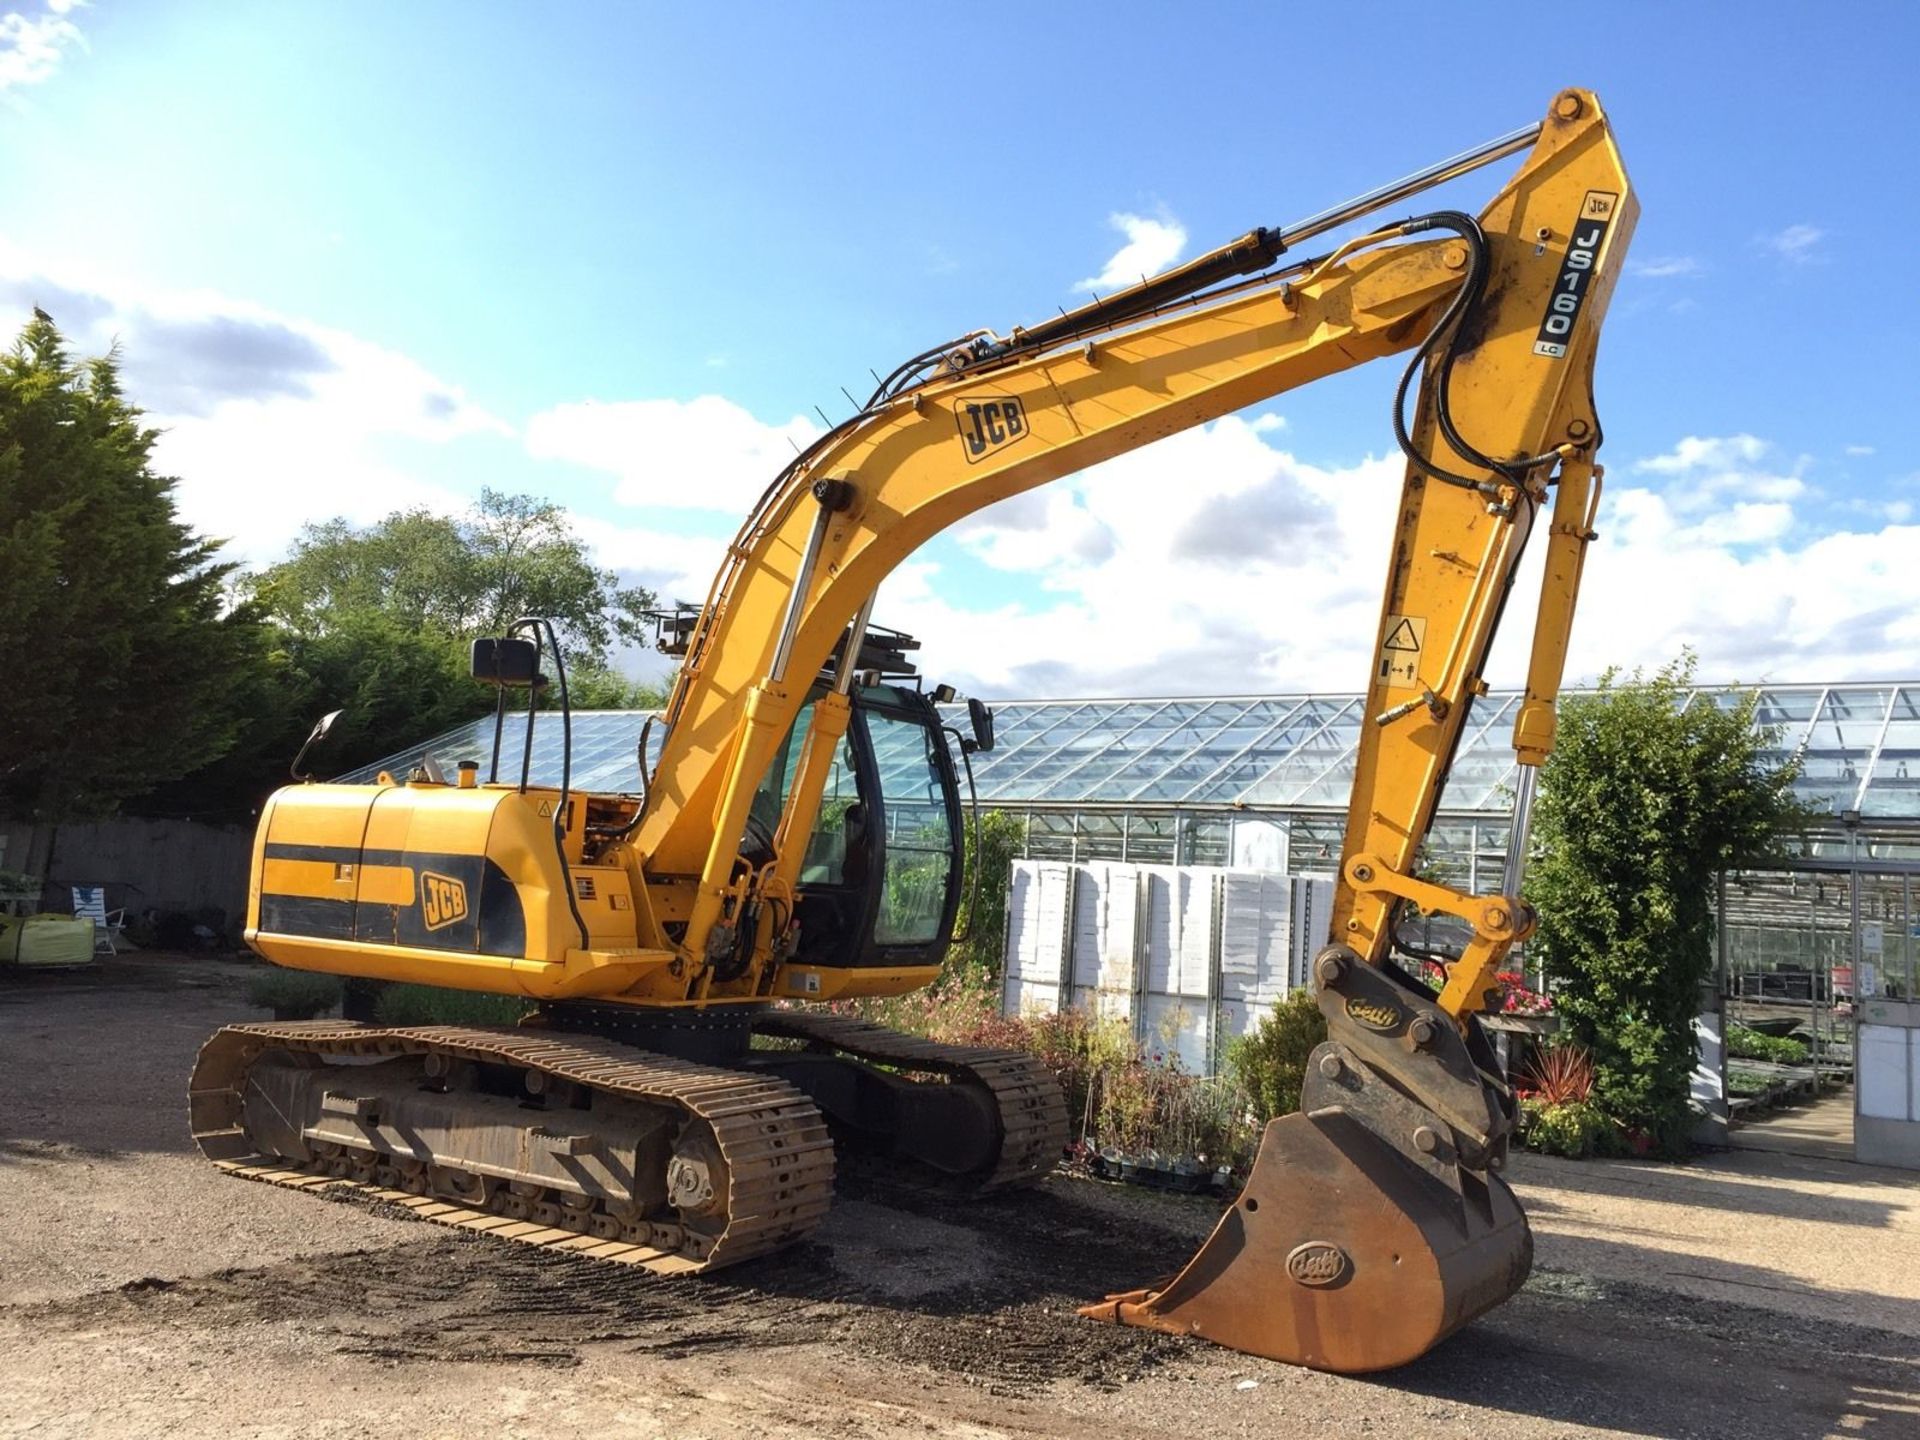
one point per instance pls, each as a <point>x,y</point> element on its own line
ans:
<point>1260,782</point>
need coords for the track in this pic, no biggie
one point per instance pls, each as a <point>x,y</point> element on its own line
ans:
<point>777,1153</point>
<point>1033,1112</point>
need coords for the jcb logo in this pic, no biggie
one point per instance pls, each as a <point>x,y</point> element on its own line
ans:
<point>989,423</point>
<point>443,901</point>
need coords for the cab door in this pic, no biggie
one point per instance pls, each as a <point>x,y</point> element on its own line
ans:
<point>879,884</point>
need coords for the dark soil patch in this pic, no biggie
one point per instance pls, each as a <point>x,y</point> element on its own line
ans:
<point>981,1288</point>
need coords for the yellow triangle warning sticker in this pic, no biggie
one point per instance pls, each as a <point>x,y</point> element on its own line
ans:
<point>1400,651</point>
<point>546,809</point>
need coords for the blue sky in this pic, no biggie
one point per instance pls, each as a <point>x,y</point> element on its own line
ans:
<point>362,256</point>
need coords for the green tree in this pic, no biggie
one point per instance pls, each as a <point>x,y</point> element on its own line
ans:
<point>456,576</point>
<point>121,651</point>
<point>377,621</point>
<point>1645,801</point>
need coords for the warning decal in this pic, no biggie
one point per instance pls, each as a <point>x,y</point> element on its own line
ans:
<point>1400,651</point>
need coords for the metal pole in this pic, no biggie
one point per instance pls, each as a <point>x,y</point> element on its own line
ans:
<point>1813,988</point>
<point>1458,165</point>
<point>856,637</point>
<point>1515,872</point>
<point>1909,943</point>
<point>796,597</point>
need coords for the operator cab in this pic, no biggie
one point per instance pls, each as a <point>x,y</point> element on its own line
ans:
<point>880,880</point>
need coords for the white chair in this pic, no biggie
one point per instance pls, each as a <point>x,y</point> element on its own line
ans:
<point>90,903</point>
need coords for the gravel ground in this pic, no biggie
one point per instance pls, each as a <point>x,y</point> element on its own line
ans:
<point>141,1293</point>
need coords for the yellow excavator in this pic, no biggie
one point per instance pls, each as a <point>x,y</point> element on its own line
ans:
<point>798,838</point>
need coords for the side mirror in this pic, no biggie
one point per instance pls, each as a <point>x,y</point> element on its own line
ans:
<point>981,716</point>
<point>507,662</point>
<point>314,737</point>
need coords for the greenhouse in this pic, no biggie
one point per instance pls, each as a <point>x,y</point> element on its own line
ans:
<point>1260,783</point>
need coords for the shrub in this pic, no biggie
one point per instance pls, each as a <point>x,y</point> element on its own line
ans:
<point>1574,1128</point>
<point>1646,800</point>
<point>1745,1044</point>
<point>293,994</point>
<point>431,1005</point>
<point>1270,1062</point>
<point>1001,837</point>
<point>1559,1075</point>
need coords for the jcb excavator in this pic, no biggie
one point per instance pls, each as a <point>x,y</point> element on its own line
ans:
<point>798,838</point>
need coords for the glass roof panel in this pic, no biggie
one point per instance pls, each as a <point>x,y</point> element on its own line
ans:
<point>1271,751</point>
<point>1791,708</point>
<point>1893,786</point>
<point>1484,764</point>
<point>1310,759</point>
<point>1839,745</point>
<point>1238,768</point>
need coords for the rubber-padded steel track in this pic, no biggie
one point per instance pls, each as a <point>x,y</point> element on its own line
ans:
<point>779,1157</point>
<point>1033,1112</point>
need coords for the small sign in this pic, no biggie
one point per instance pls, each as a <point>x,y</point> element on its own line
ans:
<point>443,900</point>
<point>1577,270</point>
<point>1400,651</point>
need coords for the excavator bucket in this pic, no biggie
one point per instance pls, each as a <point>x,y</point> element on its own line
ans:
<point>1372,1225</point>
<point>1340,1254</point>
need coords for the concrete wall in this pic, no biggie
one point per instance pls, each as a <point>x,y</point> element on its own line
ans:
<point>145,864</point>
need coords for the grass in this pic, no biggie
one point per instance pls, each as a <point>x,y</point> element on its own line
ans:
<point>431,1005</point>
<point>294,994</point>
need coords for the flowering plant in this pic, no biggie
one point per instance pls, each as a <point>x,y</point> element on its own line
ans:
<point>1517,999</point>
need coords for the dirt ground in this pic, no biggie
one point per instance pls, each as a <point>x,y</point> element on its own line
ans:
<point>142,1293</point>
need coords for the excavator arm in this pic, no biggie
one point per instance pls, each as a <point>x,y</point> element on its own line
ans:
<point>1504,310</point>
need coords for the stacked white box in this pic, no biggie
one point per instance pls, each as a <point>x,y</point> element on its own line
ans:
<point>1192,955</point>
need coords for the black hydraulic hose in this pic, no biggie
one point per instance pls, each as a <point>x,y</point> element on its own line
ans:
<point>973,819</point>
<point>499,722</point>
<point>1463,300</point>
<point>1472,289</point>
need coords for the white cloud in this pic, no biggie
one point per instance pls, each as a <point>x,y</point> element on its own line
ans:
<point>1709,472</point>
<point>32,46</point>
<point>1696,452</point>
<point>1665,267</point>
<point>1215,563</point>
<point>701,454</point>
<point>1860,451</point>
<point>268,420</point>
<point>1795,244</point>
<point>676,567</point>
<point>1209,561</point>
<point>1151,246</point>
<point>1845,605</point>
